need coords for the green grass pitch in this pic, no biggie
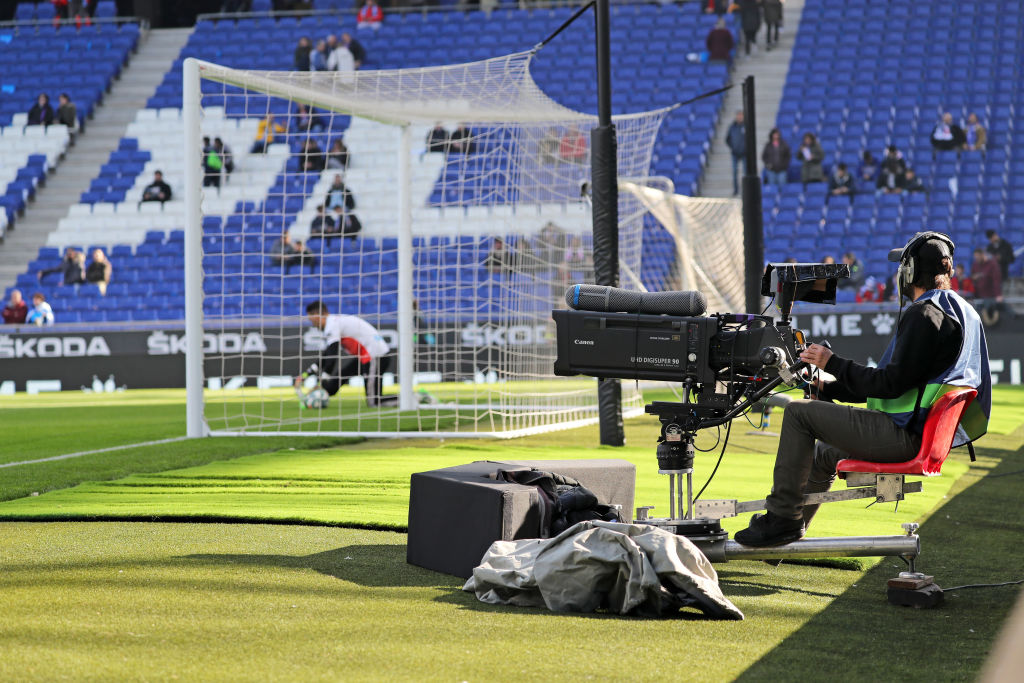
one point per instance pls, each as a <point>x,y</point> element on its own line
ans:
<point>139,600</point>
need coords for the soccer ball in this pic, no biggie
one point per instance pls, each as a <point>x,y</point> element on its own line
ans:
<point>316,398</point>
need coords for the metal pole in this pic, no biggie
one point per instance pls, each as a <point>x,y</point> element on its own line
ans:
<point>851,546</point>
<point>605,188</point>
<point>195,425</point>
<point>406,396</point>
<point>753,231</point>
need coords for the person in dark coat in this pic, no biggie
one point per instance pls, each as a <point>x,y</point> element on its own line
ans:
<point>736,139</point>
<point>841,182</point>
<point>322,225</point>
<point>750,19</point>
<point>947,136</point>
<point>67,113</point>
<point>867,170</point>
<point>772,20</point>
<point>1001,251</point>
<point>302,50</point>
<point>158,190</point>
<point>893,172</point>
<point>72,267</point>
<point>720,43</point>
<point>811,155</point>
<point>41,113</point>
<point>437,139</point>
<point>776,157</point>
<point>356,48</point>
<point>313,158</point>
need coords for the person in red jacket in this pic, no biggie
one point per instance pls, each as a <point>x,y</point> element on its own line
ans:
<point>720,43</point>
<point>961,283</point>
<point>370,15</point>
<point>16,309</point>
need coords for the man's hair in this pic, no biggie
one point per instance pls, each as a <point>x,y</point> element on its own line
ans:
<point>849,255</point>
<point>842,166</point>
<point>158,172</point>
<point>39,295</point>
<point>935,275</point>
<point>979,250</point>
<point>989,233</point>
<point>316,308</point>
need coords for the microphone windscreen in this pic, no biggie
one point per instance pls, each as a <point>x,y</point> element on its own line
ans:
<point>616,300</point>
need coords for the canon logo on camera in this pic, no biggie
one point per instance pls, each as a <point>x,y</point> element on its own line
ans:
<point>585,342</point>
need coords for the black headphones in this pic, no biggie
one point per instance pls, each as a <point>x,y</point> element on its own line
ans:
<point>909,267</point>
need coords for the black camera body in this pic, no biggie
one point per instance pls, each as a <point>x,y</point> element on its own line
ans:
<point>701,349</point>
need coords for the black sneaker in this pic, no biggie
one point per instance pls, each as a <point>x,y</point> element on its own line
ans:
<point>768,529</point>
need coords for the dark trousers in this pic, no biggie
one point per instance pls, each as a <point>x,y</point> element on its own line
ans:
<point>771,29</point>
<point>737,169</point>
<point>751,38</point>
<point>340,369</point>
<point>815,436</point>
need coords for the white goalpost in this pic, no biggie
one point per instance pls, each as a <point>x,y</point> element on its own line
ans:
<point>464,248</point>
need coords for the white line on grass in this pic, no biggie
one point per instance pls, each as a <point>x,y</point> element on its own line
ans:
<point>79,454</point>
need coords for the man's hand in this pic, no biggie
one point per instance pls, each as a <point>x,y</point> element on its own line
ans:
<point>816,355</point>
<point>816,388</point>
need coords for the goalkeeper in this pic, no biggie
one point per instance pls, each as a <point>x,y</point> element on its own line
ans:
<point>354,349</point>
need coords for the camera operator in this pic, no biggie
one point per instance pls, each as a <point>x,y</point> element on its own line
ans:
<point>939,346</point>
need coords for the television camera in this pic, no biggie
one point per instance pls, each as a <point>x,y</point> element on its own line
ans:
<point>726,362</point>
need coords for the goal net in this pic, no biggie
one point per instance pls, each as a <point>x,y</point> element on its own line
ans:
<point>444,206</point>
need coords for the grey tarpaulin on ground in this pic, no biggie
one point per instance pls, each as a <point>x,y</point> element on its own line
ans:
<point>631,569</point>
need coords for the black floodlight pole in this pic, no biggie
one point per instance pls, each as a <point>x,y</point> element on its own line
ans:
<point>605,203</point>
<point>753,230</point>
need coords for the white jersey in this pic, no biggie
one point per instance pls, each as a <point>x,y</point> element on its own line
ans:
<point>338,326</point>
<point>341,59</point>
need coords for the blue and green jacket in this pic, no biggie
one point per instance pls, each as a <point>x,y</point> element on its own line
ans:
<point>971,369</point>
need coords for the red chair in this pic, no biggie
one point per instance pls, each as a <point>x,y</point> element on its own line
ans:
<point>939,430</point>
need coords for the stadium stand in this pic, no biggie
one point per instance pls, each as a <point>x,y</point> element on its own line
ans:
<point>865,75</point>
<point>144,240</point>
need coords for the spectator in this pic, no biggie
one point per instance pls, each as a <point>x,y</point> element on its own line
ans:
<point>227,158</point>
<point>41,313</point>
<point>772,20</point>
<point>71,268</point>
<point>867,170</point>
<point>265,133</point>
<point>776,157</point>
<point>892,172</point>
<point>16,309</point>
<point>720,43</point>
<point>499,258</point>
<point>811,155</point>
<point>577,260</point>
<point>988,286</point>
<point>305,121</point>
<point>370,16</point>
<point>1001,251</point>
<point>332,43</point>
<point>750,19</point>
<point>287,252</point>
<point>339,195</point>
<point>41,113</point>
<point>322,225</point>
<point>911,183</point>
<point>341,59</point>
<point>975,137</point>
<point>736,139</point>
<point>338,156</point>
<point>318,57</point>
<point>947,135</point>
<point>212,164</point>
<point>573,146</point>
<point>829,260</point>
<point>158,190</point>
<point>548,147</point>
<point>718,7</point>
<point>313,158</point>
<point>857,275</point>
<point>961,283</point>
<point>346,223</point>
<point>302,54</point>
<point>871,290</point>
<point>840,183</point>
<point>67,113</point>
<point>98,272</point>
<point>461,140</point>
<point>355,47</point>
<point>437,139</point>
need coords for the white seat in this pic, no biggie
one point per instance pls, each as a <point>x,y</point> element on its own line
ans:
<point>102,209</point>
<point>146,115</point>
<point>169,113</point>
<point>150,208</point>
<point>20,120</point>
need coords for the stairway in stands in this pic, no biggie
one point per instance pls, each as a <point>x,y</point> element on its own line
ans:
<point>91,150</point>
<point>769,70</point>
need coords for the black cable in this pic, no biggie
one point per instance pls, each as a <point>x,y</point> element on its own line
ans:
<point>718,440</point>
<point>983,585</point>
<point>768,305</point>
<point>728,430</point>
<point>564,26</point>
